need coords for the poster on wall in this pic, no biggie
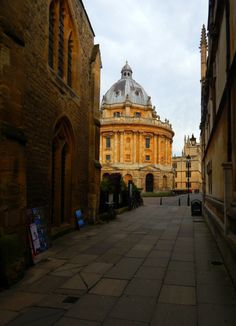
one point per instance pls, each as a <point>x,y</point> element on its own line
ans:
<point>38,230</point>
<point>34,238</point>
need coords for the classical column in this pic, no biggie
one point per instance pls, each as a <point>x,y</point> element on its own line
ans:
<point>155,149</point>
<point>134,147</point>
<point>140,148</point>
<point>158,149</point>
<point>122,147</point>
<point>166,146</point>
<point>116,147</point>
<point>101,148</point>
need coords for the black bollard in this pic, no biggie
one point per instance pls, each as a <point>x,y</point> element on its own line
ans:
<point>179,202</point>
<point>161,201</point>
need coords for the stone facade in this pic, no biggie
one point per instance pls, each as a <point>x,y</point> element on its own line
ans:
<point>134,141</point>
<point>218,121</point>
<point>49,110</point>
<point>188,171</point>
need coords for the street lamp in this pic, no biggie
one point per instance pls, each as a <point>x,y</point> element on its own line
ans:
<point>188,158</point>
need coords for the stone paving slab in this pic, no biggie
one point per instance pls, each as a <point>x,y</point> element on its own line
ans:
<point>82,259</point>
<point>38,317</point>
<point>18,301</point>
<point>122,322</point>
<point>174,315</point>
<point>92,307</point>
<point>133,308</point>
<point>111,287</point>
<point>174,294</point>
<point>6,316</point>
<point>177,277</point>
<point>216,315</point>
<point>216,294</point>
<point>153,262</point>
<point>66,321</point>
<point>74,283</point>
<point>97,267</point>
<point>67,270</point>
<point>125,268</point>
<point>181,266</point>
<point>143,287</point>
<point>150,273</point>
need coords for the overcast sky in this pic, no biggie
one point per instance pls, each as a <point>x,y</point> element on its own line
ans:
<point>160,39</point>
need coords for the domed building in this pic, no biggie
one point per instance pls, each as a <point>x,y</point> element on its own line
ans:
<point>133,139</point>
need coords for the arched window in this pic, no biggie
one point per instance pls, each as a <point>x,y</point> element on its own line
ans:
<point>51,35</point>
<point>149,182</point>
<point>69,61</point>
<point>62,42</point>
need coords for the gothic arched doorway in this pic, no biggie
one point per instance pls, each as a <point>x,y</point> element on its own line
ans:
<point>62,149</point>
<point>149,182</point>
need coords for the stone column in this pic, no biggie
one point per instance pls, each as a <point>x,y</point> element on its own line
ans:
<point>140,147</point>
<point>155,149</point>
<point>158,149</point>
<point>116,147</point>
<point>166,146</point>
<point>101,149</point>
<point>122,147</point>
<point>134,147</point>
<point>228,187</point>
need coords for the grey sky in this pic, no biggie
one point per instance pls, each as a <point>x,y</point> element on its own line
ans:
<point>160,39</point>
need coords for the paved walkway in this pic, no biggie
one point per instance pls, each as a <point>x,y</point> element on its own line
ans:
<point>155,265</point>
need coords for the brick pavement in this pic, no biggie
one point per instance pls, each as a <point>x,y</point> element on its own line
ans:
<point>155,265</point>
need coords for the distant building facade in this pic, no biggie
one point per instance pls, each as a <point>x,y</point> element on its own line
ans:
<point>218,116</point>
<point>188,171</point>
<point>133,139</point>
<point>49,114</point>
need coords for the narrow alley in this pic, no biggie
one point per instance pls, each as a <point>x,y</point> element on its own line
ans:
<point>155,265</point>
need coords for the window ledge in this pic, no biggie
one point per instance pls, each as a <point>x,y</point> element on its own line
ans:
<point>62,86</point>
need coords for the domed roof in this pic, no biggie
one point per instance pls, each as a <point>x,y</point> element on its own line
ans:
<point>126,89</point>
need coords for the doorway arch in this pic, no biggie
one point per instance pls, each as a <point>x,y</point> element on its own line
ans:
<point>61,172</point>
<point>164,182</point>
<point>149,182</point>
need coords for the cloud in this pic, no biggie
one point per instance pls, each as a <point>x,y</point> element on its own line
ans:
<point>160,39</point>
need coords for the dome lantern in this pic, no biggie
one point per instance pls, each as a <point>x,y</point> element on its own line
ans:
<point>126,71</point>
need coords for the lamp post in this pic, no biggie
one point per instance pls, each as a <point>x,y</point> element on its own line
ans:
<point>188,158</point>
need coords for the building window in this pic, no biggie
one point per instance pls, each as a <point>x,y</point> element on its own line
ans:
<point>108,142</point>
<point>127,157</point>
<point>147,157</point>
<point>176,185</point>
<point>69,62</point>
<point>147,142</point>
<point>188,174</point>
<point>188,184</point>
<point>174,165</point>
<point>51,36</point>
<point>176,173</point>
<point>209,176</point>
<point>61,41</point>
<point>108,158</point>
<point>137,114</point>
<point>116,114</point>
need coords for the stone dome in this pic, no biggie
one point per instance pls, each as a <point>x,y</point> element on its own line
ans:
<point>126,89</point>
